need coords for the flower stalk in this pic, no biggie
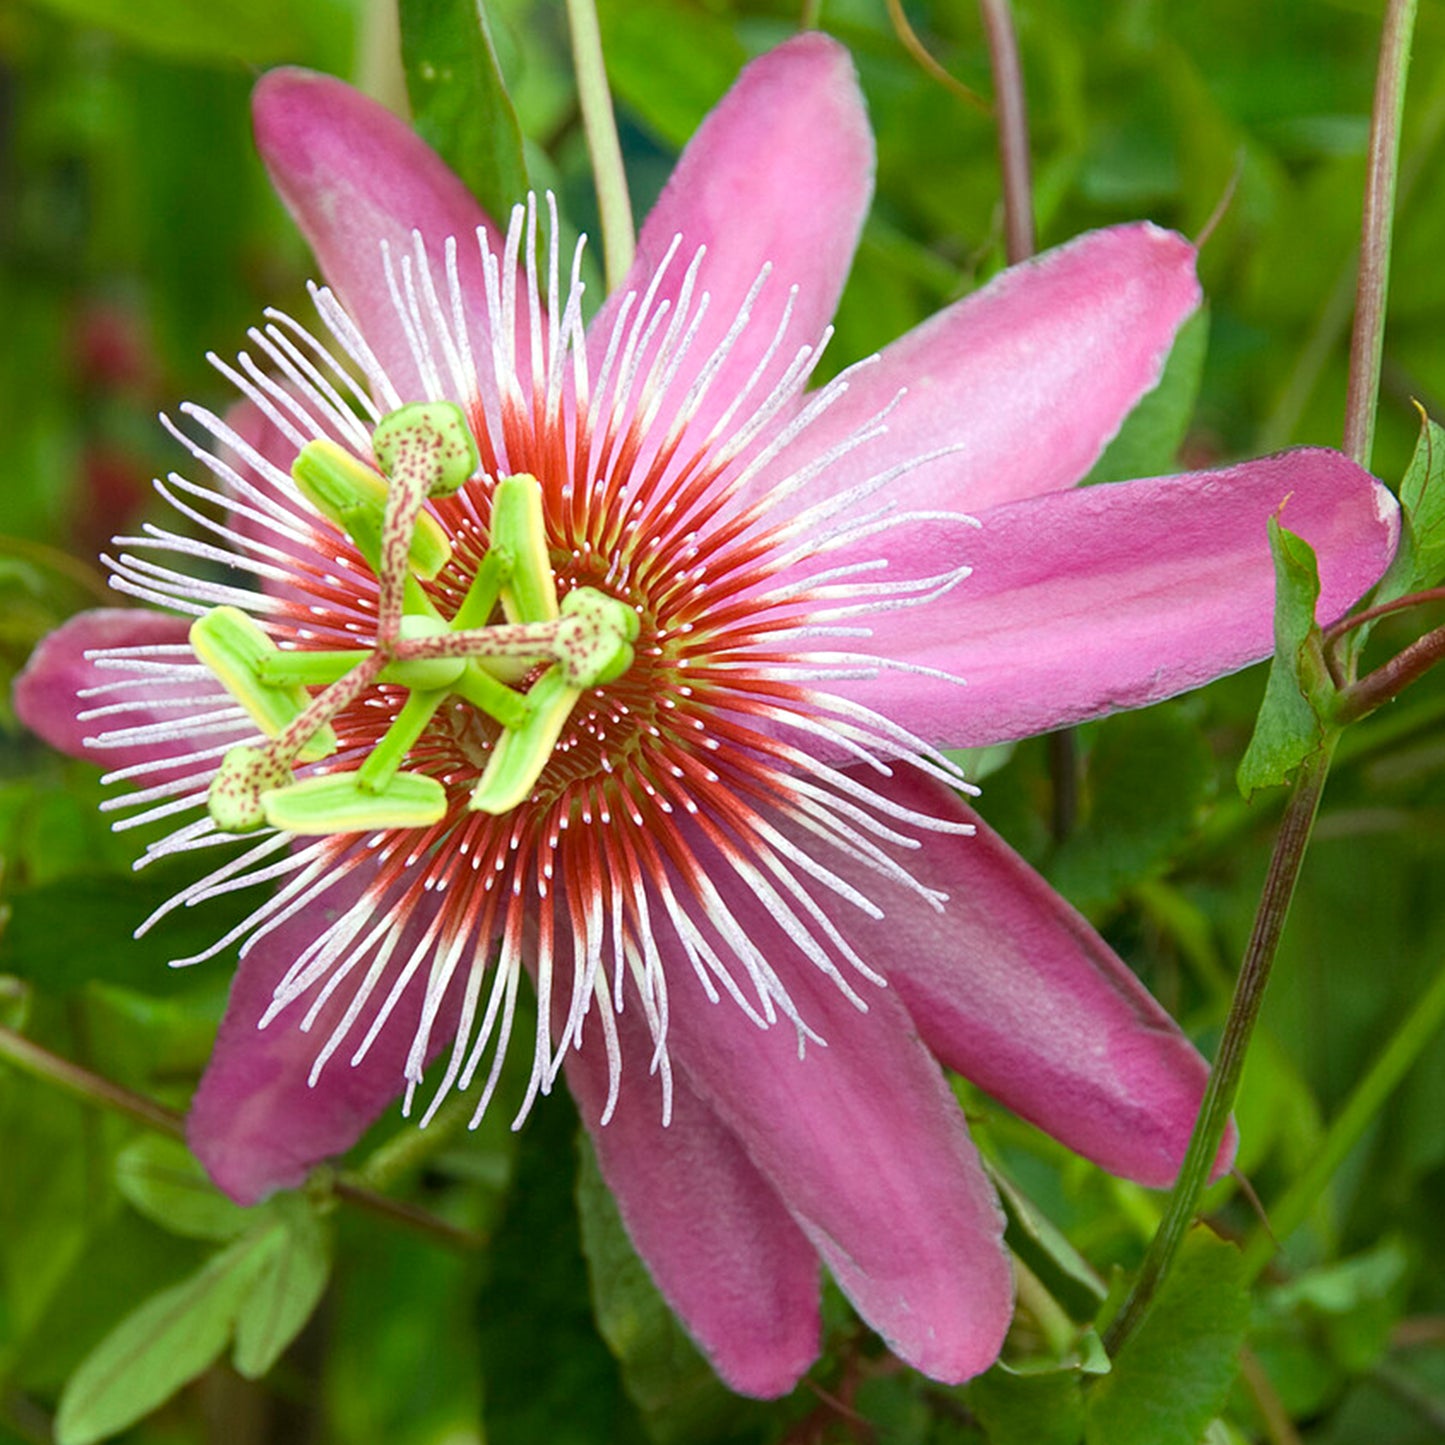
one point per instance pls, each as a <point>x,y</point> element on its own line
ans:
<point>1292,840</point>
<point>619,239</point>
<point>1279,885</point>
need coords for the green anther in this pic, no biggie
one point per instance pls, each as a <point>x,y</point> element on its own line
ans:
<point>426,673</point>
<point>521,753</point>
<point>337,803</point>
<point>235,649</point>
<point>234,799</point>
<point>519,534</point>
<point>353,496</point>
<point>432,440</point>
<point>594,638</point>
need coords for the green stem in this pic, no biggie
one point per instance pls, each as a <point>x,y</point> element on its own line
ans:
<point>91,1088</point>
<point>1290,843</point>
<point>1367,343</point>
<point>30,1058</point>
<point>1279,884</point>
<point>908,39</point>
<point>619,241</point>
<point>1365,1102</point>
<point>1334,316</point>
<point>407,1151</point>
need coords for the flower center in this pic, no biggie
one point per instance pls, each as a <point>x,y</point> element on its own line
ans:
<point>559,650</point>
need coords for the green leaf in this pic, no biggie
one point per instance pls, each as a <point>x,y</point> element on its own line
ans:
<point>459,99</point>
<point>668,64</point>
<point>1422,495</point>
<point>676,1389</point>
<point>64,934</point>
<point>1171,1378</point>
<point>123,1258</point>
<point>161,1346</point>
<point>1293,719</point>
<point>1060,1268</point>
<point>161,1179</point>
<point>288,1291</point>
<point>1045,1408</point>
<point>1420,560</point>
<point>1148,442</point>
<point>251,30</point>
<point>547,1375</point>
<point>1355,1302</point>
<point>1148,774</point>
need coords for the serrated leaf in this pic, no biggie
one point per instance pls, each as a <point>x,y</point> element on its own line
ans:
<point>288,1291</point>
<point>161,1179</point>
<point>459,99</point>
<point>161,1346</point>
<point>1171,1378</point>
<point>1291,723</point>
<point>1148,443</point>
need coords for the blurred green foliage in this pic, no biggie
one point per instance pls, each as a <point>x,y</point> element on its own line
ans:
<point>137,232</point>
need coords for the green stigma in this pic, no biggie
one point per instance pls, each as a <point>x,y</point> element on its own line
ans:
<point>559,650</point>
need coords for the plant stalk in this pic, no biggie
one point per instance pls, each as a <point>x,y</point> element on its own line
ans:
<point>1366,351</point>
<point>1367,341</point>
<point>619,239</point>
<point>1209,1128</point>
<point>91,1088</point>
<point>1011,110</point>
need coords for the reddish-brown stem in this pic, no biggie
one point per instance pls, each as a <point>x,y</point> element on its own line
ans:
<point>1391,679</point>
<point>92,1088</point>
<point>1384,609</point>
<point>1013,129</point>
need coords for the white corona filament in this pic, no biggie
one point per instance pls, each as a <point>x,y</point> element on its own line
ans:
<point>435,926</point>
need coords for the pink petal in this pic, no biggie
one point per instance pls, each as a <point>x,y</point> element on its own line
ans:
<point>712,1231</point>
<point>781,172</point>
<point>866,1144</point>
<point>1028,379</point>
<point>353,175</point>
<point>1088,601</point>
<point>255,1122</point>
<point>1011,987</point>
<point>48,692</point>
